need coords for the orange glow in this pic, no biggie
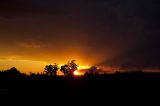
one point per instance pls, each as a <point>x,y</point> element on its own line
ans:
<point>83,67</point>
<point>77,73</point>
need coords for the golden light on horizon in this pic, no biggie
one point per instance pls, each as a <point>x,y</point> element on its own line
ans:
<point>37,66</point>
<point>84,67</point>
<point>77,73</point>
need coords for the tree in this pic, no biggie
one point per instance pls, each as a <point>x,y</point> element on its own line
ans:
<point>69,68</point>
<point>55,68</point>
<point>65,69</point>
<point>13,71</point>
<point>73,67</point>
<point>51,69</point>
<point>93,70</point>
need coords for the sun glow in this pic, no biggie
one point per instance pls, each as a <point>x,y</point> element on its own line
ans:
<point>77,73</point>
<point>83,67</point>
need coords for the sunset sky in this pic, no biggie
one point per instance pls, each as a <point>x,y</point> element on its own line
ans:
<point>34,33</point>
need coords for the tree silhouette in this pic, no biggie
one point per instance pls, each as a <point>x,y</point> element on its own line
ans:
<point>69,68</point>
<point>51,69</point>
<point>93,70</point>
<point>73,67</point>
<point>13,71</point>
<point>65,69</point>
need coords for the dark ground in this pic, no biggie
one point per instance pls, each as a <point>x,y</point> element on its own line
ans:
<point>93,88</point>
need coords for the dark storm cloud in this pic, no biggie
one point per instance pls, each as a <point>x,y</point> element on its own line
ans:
<point>123,31</point>
<point>10,8</point>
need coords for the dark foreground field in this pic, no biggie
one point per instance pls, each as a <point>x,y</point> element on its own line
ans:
<point>91,88</point>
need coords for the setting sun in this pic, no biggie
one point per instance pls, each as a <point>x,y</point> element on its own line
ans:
<point>77,73</point>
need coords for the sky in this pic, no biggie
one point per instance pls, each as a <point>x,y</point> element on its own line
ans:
<point>106,33</point>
